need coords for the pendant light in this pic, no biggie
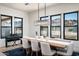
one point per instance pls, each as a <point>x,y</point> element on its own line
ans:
<point>41,22</point>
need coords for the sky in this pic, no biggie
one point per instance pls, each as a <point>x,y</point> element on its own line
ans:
<point>72,16</point>
<point>56,17</point>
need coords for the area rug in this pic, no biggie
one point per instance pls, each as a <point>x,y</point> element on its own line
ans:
<point>21,52</point>
<point>15,52</point>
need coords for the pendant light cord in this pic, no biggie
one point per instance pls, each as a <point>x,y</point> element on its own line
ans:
<point>45,9</point>
<point>38,11</point>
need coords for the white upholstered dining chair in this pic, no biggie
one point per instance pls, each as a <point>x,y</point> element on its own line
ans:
<point>26,45</point>
<point>35,46</point>
<point>46,50</point>
<point>66,51</point>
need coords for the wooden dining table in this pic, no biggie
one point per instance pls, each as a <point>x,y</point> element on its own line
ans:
<point>51,41</point>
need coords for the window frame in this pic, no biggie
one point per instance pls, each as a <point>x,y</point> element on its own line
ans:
<point>21,25</point>
<point>69,26</point>
<point>55,26</point>
<point>43,26</point>
<point>6,26</point>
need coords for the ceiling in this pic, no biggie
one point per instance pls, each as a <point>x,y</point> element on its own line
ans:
<point>30,7</point>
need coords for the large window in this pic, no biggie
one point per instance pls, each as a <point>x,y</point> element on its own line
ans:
<point>18,26</point>
<point>6,25</point>
<point>44,28</point>
<point>55,26</point>
<point>71,25</point>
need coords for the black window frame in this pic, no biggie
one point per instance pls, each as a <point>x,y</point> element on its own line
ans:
<point>43,26</point>
<point>6,26</point>
<point>69,26</point>
<point>21,25</point>
<point>55,26</point>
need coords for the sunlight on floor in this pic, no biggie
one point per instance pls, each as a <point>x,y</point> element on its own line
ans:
<point>3,49</point>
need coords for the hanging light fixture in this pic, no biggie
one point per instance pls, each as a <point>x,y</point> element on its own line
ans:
<point>42,22</point>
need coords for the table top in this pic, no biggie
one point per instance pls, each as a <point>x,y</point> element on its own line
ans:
<point>52,42</point>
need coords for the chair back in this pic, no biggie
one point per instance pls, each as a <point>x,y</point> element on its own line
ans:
<point>45,48</point>
<point>34,45</point>
<point>25,43</point>
<point>70,49</point>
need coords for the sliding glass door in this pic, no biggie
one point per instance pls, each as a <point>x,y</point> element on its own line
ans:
<point>6,25</point>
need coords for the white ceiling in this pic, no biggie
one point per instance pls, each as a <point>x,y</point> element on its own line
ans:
<point>23,7</point>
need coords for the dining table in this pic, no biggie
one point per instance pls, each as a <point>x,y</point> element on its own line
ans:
<point>51,41</point>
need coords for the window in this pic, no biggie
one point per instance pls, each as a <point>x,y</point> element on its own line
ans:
<point>55,26</point>
<point>71,25</point>
<point>18,26</point>
<point>44,29</point>
<point>6,25</point>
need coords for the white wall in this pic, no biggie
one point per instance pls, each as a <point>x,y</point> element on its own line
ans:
<point>52,10</point>
<point>17,13</point>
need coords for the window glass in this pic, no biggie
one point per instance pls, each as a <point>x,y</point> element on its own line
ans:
<point>55,26</point>
<point>70,26</point>
<point>18,26</point>
<point>6,25</point>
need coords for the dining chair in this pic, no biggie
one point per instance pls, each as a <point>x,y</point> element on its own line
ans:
<point>46,50</point>
<point>35,46</point>
<point>26,45</point>
<point>67,51</point>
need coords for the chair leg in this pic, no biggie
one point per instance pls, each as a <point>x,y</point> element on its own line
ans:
<point>31,53</point>
<point>26,51</point>
<point>36,53</point>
